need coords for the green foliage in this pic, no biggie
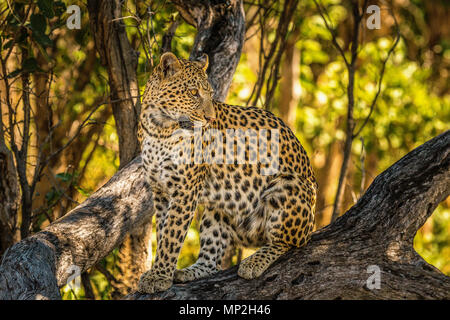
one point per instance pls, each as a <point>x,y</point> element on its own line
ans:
<point>408,111</point>
<point>434,245</point>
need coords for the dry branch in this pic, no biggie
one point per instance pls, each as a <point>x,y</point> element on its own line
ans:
<point>37,266</point>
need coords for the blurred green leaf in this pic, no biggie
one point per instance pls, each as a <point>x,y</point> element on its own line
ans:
<point>64,177</point>
<point>38,23</point>
<point>46,7</point>
<point>30,65</point>
<point>42,39</point>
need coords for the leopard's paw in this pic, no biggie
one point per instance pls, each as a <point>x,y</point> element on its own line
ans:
<point>183,275</point>
<point>251,269</point>
<point>194,272</point>
<point>151,283</point>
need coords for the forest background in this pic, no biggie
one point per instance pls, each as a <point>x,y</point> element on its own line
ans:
<point>54,87</point>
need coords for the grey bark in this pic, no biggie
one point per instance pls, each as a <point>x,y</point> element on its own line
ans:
<point>220,34</point>
<point>378,230</point>
<point>36,267</point>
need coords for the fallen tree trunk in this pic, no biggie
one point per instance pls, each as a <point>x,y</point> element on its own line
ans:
<point>340,262</point>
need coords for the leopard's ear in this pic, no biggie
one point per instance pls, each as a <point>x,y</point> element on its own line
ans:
<point>204,62</point>
<point>169,64</point>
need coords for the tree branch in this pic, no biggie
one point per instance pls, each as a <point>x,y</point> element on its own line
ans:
<point>350,123</point>
<point>37,266</point>
<point>378,230</point>
<point>383,69</point>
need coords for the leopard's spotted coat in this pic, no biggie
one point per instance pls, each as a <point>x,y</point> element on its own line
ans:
<point>242,206</point>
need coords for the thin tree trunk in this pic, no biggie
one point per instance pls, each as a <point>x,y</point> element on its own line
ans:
<point>377,231</point>
<point>9,199</point>
<point>327,178</point>
<point>120,60</point>
<point>351,69</point>
<point>220,34</point>
<point>290,81</point>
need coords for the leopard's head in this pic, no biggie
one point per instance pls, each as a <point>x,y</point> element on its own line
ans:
<point>178,91</point>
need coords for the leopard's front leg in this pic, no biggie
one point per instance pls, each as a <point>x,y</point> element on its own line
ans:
<point>170,233</point>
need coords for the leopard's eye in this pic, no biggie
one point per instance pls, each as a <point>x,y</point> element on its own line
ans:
<point>194,92</point>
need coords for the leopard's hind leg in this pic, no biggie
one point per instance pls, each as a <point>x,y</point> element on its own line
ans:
<point>289,222</point>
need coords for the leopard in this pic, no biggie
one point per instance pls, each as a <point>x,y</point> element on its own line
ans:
<point>243,166</point>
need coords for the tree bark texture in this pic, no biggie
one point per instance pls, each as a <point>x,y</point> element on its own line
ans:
<point>378,230</point>
<point>9,199</point>
<point>220,34</point>
<point>36,267</point>
<point>120,60</point>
